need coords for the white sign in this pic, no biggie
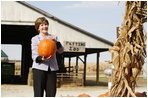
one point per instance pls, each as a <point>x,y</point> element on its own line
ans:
<point>74,46</point>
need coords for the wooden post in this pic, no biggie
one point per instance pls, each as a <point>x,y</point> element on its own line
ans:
<point>97,68</point>
<point>84,77</point>
<point>117,31</point>
<point>77,65</point>
<point>69,63</point>
<point>63,61</point>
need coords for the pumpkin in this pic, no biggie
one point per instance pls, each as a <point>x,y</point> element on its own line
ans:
<point>47,48</point>
<point>138,94</point>
<point>84,95</point>
<point>103,95</point>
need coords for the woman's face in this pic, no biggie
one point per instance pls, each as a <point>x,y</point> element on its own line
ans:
<point>43,28</point>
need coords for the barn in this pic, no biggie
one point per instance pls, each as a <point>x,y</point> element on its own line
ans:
<point>17,27</point>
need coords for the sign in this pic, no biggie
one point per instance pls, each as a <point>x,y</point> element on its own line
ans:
<point>74,46</point>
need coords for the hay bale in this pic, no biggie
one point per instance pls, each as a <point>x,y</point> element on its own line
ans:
<point>30,77</point>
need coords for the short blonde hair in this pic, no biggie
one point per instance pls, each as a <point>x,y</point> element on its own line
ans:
<point>39,21</point>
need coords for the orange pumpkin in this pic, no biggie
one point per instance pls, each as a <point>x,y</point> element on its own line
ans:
<point>138,94</point>
<point>84,95</point>
<point>103,95</point>
<point>47,48</point>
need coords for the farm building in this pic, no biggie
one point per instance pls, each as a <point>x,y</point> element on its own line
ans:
<point>4,56</point>
<point>17,27</point>
<point>9,68</point>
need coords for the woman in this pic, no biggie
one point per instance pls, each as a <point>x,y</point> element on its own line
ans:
<point>44,69</point>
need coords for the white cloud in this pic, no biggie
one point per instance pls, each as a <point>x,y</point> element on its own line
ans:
<point>93,4</point>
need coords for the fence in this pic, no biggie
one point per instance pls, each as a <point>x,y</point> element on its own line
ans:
<point>70,79</point>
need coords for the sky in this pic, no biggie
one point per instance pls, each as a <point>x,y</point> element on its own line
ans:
<point>97,17</point>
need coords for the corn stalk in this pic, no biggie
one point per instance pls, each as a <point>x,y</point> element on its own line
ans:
<point>129,50</point>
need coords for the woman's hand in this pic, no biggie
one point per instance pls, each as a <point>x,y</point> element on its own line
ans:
<point>43,58</point>
<point>51,38</point>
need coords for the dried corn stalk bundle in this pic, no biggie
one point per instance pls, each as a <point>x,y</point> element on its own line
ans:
<point>128,52</point>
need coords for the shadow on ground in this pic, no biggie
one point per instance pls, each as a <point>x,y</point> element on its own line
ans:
<point>93,83</point>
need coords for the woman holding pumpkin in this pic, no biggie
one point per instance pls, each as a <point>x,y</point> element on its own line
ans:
<point>44,69</point>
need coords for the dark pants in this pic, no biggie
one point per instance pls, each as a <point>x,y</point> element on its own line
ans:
<point>44,80</point>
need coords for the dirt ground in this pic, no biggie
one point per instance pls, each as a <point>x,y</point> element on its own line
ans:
<point>13,90</point>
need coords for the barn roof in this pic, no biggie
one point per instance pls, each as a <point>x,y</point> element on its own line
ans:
<point>62,22</point>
